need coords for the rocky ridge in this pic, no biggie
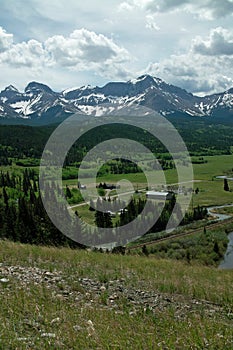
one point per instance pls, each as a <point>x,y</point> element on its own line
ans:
<point>40,102</point>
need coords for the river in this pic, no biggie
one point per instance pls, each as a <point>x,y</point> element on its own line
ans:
<point>227,262</point>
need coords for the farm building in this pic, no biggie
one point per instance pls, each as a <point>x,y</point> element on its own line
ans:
<point>159,195</point>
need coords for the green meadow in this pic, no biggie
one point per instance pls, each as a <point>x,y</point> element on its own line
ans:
<point>211,190</point>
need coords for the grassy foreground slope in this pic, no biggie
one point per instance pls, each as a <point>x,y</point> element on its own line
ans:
<point>65,299</point>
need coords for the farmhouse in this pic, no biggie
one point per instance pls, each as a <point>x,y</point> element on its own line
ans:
<point>159,195</point>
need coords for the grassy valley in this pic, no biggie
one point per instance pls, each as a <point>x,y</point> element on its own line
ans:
<point>163,291</point>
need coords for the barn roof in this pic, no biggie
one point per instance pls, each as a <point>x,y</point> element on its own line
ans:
<point>157,193</point>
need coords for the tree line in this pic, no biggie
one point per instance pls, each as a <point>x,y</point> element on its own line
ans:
<point>22,214</point>
<point>24,219</point>
<point>105,210</point>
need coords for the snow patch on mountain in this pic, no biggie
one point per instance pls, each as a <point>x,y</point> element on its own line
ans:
<point>39,100</point>
<point>66,91</point>
<point>227,100</point>
<point>22,107</point>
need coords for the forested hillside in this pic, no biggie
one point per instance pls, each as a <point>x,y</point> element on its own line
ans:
<point>200,137</point>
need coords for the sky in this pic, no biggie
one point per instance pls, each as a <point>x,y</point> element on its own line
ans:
<point>71,43</point>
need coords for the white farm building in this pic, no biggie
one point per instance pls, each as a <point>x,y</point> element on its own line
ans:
<point>159,195</point>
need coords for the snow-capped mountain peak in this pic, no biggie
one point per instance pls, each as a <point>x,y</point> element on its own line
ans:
<point>39,101</point>
<point>11,88</point>
<point>146,78</point>
<point>35,87</point>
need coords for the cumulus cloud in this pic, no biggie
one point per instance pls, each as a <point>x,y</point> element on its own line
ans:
<point>25,54</point>
<point>213,9</point>
<point>219,42</point>
<point>207,66</point>
<point>205,9</point>
<point>83,46</point>
<point>81,50</point>
<point>193,74</point>
<point>6,40</point>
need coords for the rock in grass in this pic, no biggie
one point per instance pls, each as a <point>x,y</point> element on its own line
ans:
<point>4,280</point>
<point>55,320</point>
<point>102,289</point>
<point>48,335</point>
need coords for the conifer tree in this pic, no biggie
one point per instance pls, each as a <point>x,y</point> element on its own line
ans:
<point>226,186</point>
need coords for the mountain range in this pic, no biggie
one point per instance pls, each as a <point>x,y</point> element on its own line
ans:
<point>40,102</point>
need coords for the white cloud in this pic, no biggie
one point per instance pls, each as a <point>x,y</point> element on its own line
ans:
<point>81,50</point>
<point>125,6</point>
<point>193,74</point>
<point>151,22</point>
<point>165,5</point>
<point>130,5</point>
<point>219,42</point>
<point>6,40</point>
<point>213,9</point>
<point>83,46</point>
<point>26,54</point>
<point>205,9</point>
<point>207,66</point>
